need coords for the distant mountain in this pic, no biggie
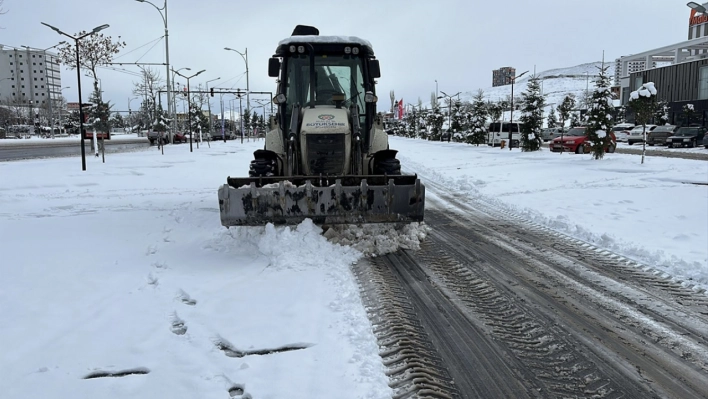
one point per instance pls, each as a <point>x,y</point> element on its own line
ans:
<point>556,84</point>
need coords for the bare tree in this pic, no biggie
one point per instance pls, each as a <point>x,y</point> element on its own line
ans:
<point>148,89</point>
<point>94,51</point>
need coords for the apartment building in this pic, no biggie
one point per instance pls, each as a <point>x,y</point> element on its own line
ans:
<point>29,77</point>
<point>503,76</point>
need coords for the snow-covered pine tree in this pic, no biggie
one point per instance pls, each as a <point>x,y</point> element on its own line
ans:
<point>532,115</point>
<point>661,115</point>
<point>565,108</point>
<point>688,111</point>
<point>478,121</point>
<point>100,113</point>
<point>457,121</point>
<point>552,119</point>
<point>435,121</point>
<point>643,103</point>
<point>599,116</point>
<point>161,122</point>
<point>574,119</point>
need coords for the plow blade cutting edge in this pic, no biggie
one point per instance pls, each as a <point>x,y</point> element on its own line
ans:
<point>335,200</point>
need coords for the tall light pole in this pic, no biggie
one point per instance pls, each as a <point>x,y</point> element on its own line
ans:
<point>167,57</point>
<point>248,88</point>
<point>189,114</point>
<point>449,113</point>
<point>78,78</point>
<point>209,103</point>
<point>511,118</point>
<point>174,96</point>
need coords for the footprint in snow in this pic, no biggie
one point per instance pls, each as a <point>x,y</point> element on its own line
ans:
<point>185,298</point>
<point>178,325</point>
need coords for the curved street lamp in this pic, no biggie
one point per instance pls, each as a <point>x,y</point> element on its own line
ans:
<point>248,88</point>
<point>167,58</point>
<point>78,78</point>
<point>449,113</point>
<point>189,106</point>
<point>209,104</point>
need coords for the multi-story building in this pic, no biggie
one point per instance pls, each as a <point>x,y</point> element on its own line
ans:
<point>503,76</point>
<point>29,77</point>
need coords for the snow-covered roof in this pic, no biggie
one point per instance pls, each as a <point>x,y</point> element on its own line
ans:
<point>325,39</point>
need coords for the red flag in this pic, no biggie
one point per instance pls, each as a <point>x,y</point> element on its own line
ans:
<point>400,109</point>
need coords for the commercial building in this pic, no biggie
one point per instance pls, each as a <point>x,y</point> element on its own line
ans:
<point>684,80</point>
<point>503,76</point>
<point>29,77</point>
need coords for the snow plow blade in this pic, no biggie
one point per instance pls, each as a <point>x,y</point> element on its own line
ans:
<point>256,201</point>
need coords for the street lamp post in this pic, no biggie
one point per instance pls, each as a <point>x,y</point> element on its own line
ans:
<point>173,111</point>
<point>189,114</point>
<point>78,78</point>
<point>449,113</point>
<point>248,87</point>
<point>511,118</point>
<point>167,56</point>
<point>209,104</point>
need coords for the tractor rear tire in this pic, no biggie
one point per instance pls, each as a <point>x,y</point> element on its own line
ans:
<point>387,166</point>
<point>261,167</point>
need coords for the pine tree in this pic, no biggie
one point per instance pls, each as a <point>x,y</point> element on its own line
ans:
<point>643,103</point>
<point>246,119</point>
<point>688,111</point>
<point>478,120</point>
<point>100,113</point>
<point>457,121</point>
<point>552,120</point>
<point>599,116</point>
<point>161,122</point>
<point>574,119</point>
<point>564,110</point>
<point>532,115</point>
<point>661,115</point>
<point>435,120</point>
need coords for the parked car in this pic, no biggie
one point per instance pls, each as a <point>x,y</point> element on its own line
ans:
<point>575,140</point>
<point>660,134</point>
<point>686,136</point>
<point>550,133</point>
<point>218,136</point>
<point>621,131</point>
<point>154,137</point>
<point>636,135</point>
<point>179,137</point>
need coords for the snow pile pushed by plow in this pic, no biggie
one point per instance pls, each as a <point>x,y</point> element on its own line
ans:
<point>378,239</point>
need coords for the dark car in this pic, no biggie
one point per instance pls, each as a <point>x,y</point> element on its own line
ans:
<point>686,137</point>
<point>659,135</point>
<point>705,141</point>
<point>636,135</point>
<point>217,135</point>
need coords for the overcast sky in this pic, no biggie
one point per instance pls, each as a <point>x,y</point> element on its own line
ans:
<point>456,42</point>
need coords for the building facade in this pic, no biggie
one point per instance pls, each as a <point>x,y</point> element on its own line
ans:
<point>29,77</point>
<point>503,76</point>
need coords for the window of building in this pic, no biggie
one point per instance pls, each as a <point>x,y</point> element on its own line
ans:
<point>11,63</point>
<point>638,82</point>
<point>33,56</point>
<point>34,63</point>
<point>703,83</point>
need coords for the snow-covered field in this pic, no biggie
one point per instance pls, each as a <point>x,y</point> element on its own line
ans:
<point>126,269</point>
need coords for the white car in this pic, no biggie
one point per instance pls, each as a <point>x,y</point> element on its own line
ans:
<point>636,135</point>
<point>621,131</point>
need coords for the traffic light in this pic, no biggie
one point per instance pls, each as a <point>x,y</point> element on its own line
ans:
<point>211,90</point>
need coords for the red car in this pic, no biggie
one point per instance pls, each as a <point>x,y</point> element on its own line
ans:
<point>575,140</point>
